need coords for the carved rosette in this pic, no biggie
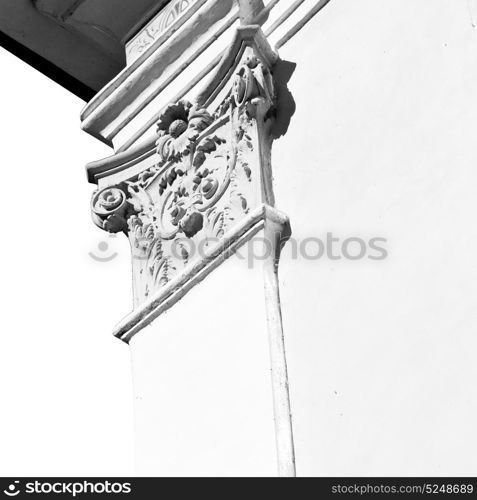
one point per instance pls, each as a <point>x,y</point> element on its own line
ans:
<point>212,169</point>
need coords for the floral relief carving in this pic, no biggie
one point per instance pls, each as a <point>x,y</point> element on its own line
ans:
<point>252,85</point>
<point>178,128</point>
<point>206,180</point>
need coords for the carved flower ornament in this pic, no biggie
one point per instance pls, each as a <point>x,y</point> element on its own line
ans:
<point>178,127</point>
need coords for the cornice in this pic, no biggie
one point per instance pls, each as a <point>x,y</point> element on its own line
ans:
<point>146,77</point>
<point>245,36</point>
<point>175,65</point>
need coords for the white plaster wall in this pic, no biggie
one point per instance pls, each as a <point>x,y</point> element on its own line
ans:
<point>201,376</point>
<point>382,353</point>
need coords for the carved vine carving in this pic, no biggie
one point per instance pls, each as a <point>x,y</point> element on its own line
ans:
<point>206,179</point>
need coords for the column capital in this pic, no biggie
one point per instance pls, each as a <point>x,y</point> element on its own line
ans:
<point>205,184</point>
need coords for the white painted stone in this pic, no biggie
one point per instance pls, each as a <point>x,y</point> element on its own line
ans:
<point>203,403</point>
<point>382,354</point>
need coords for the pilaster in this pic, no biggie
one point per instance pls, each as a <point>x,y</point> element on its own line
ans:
<point>200,187</point>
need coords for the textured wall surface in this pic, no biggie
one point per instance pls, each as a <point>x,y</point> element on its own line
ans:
<point>382,353</point>
<point>201,377</point>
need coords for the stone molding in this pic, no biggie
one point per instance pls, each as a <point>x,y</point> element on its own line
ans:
<point>174,65</point>
<point>263,216</point>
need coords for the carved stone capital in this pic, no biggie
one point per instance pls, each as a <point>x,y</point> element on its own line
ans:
<point>211,169</point>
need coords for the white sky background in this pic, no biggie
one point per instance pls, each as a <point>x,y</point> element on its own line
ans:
<point>65,380</point>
